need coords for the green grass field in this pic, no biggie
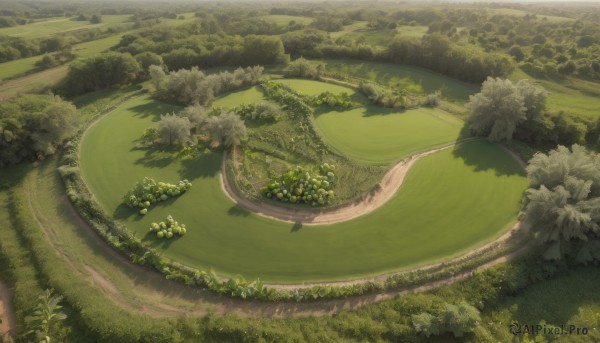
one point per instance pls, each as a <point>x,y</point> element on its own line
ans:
<point>373,134</point>
<point>53,26</point>
<point>407,77</point>
<point>474,197</point>
<point>369,133</point>
<point>83,50</point>
<point>570,95</point>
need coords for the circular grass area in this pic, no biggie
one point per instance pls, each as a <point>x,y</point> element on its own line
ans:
<point>450,202</point>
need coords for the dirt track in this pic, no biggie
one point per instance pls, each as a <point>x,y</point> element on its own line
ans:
<point>389,185</point>
<point>151,285</point>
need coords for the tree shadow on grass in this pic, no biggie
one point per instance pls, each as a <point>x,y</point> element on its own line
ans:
<point>481,155</point>
<point>238,211</point>
<point>206,165</point>
<point>155,156</point>
<point>153,109</point>
<point>296,227</point>
<point>163,243</point>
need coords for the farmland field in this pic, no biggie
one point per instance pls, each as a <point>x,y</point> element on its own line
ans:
<point>233,241</point>
<point>53,26</point>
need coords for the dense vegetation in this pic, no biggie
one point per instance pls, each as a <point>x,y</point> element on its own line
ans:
<point>300,186</point>
<point>147,192</point>
<point>34,126</point>
<point>563,203</point>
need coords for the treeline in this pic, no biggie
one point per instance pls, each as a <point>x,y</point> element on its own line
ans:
<point>192,86</point>
<point>12,48</point>
<point>197,45</point>
<point>435,52</point>
<point>33,126</point>
<point>542,46</point>
<point>503,110</point>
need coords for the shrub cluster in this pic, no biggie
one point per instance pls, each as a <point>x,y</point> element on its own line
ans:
<point>383,97</point>
<point>287,98</point>
<point>147,192</point>
<point>300,186</point>
<point>262,111</point>
<point>168,228</point>
<point>334,100</point>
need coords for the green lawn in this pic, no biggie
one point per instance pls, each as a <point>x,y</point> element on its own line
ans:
<point>569,95</point>
<point>24,65</point>
<point>373,134</point>
<point>60,25</point>
<point>406,77</point>
<point>473,194</point>
<point>370,133</point>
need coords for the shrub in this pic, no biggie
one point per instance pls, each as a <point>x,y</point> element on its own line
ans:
<point>298,186</point>
<point>147,192</point>
<point>168,228</point>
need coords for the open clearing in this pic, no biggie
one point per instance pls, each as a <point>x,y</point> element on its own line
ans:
<point>233,241</point>
<point>403,77</point>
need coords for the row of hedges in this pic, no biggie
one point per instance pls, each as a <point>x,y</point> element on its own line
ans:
<point>118,237</point>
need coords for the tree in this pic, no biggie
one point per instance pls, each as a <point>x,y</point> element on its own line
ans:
<point>174,130</point>
<point>101,71</point>
<point>457,319</point>
<point>304,69</point>
<point>32,126</point>
<point>496,110</point>
<point>228,129</point>
<point>96,19</point>
<point>516,52</point>
<point>197,116</point>
<point>46,317</point>
<point>157,75</point>
<point>534,98</point>
<point>147,59</point>
<point>563,202</point>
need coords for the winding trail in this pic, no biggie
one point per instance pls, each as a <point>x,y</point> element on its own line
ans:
<point>389,185</point>
<point>159,297</point>
<point>7,314</point>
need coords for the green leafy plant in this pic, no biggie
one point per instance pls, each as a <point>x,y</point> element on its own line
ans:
<point>298,186</point>
<point>147,192</point>
<point>169,228</point>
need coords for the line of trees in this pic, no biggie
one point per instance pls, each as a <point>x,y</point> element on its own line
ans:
<point>224,127</point>
<point>189,86</point>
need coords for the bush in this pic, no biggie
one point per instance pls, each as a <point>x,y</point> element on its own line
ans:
<point>168,228</point>
<point>433,99</point>
<point>383,97</point>
<point>147,192</point>
<point>304,69</point>
<point>298,186</point>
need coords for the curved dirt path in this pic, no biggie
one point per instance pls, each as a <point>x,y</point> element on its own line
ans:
<point>389,185</point>
<point>7,314</point>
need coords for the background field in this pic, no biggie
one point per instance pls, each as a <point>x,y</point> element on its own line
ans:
<point>405,77</point>
<point>52,26</point>
<point>222,236</point>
